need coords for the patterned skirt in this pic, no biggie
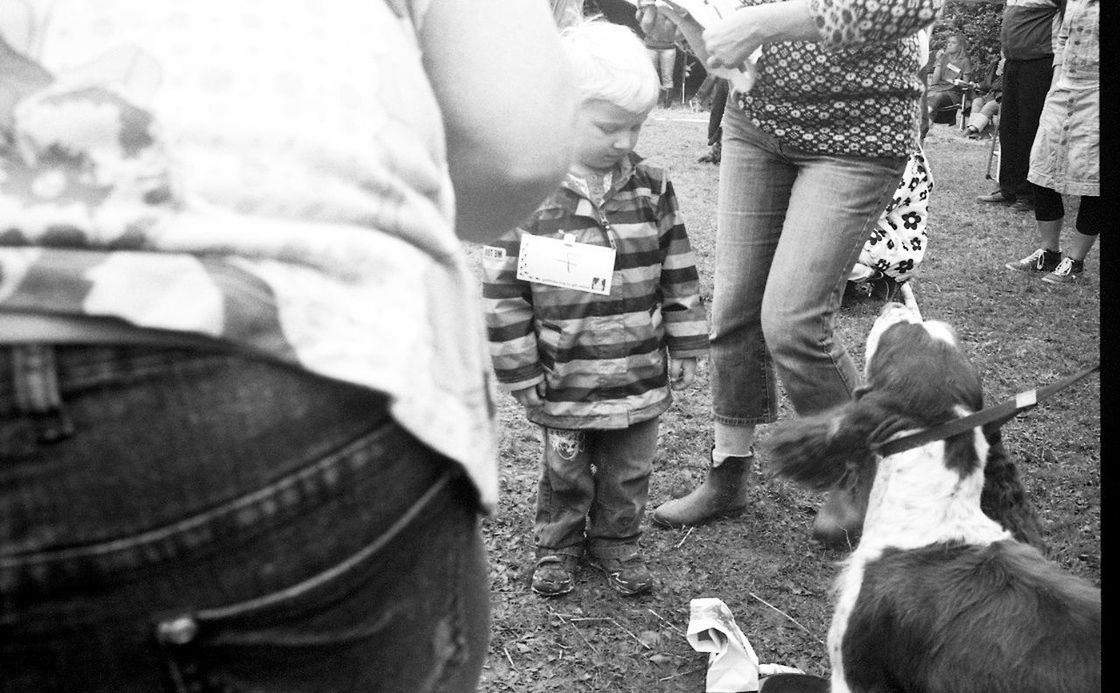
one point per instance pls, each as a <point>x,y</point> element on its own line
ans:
<point>897,245</point>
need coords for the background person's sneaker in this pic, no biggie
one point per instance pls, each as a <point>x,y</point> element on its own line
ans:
<point>1041,260</point>
<point>554,574</point>
<point>996,197</point>
<point>1067,271</point>
<point>627,576</point>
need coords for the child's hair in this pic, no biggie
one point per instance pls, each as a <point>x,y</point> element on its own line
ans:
<point>610,63</point>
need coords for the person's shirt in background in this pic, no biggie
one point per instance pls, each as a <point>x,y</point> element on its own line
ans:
<point>1029,28</point>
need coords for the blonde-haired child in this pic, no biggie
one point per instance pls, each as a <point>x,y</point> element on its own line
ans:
<point>593,351</point>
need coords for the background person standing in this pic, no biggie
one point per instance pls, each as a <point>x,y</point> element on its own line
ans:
<point>660,41</point>
<point>1066,156</point>
<point>1027,36</point>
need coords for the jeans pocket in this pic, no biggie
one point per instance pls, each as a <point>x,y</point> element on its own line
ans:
<point>390,617</point>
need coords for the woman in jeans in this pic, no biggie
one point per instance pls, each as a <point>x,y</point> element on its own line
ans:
<point>811,156</point>
<point>245,429</point>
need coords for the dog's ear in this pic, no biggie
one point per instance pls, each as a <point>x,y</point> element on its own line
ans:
<point>821,450</point>
<point>1004,499</point>
<point>818,451</point>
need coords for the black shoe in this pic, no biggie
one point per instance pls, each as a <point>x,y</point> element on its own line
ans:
<point>855,291</point>
<point>885,288</point>
<point>998,197</point>
<point>1041,260</point>
<point>1067,271</point>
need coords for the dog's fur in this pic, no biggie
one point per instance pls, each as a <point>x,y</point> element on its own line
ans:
<point>947,589</point>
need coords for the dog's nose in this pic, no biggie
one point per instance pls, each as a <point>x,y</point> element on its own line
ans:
<point>896,312</point>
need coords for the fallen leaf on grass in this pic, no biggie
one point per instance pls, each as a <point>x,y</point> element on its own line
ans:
<point>650,638</point>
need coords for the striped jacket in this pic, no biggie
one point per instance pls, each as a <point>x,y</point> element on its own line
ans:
<point>603,358</point>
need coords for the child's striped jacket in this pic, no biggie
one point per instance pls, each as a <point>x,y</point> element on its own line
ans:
<point>603,357</point>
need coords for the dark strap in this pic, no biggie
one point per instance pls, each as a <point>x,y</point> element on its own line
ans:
<point>996,415</point>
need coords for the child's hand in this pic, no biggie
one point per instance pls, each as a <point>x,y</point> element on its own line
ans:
<point>681,373</point>
<point>532,396</point>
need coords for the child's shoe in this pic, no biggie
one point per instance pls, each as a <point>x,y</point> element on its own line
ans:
<point>554,574</point>
<point>627,576</point>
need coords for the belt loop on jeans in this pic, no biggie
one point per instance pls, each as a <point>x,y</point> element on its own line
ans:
<point>35,376</point>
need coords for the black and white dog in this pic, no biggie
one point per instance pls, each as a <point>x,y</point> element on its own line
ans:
<point>938,595</point>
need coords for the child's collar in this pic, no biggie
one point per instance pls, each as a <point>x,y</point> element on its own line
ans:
<point>618,176</point>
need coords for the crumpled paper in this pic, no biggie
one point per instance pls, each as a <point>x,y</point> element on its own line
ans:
<point>732,664</point>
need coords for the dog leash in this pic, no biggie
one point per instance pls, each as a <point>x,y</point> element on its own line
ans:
<point>998,415</point>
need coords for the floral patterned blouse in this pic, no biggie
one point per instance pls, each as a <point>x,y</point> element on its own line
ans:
<point>270,173</point>
<point>856,92</point>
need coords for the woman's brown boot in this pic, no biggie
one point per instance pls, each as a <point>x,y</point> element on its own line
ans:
<point>723,494</point>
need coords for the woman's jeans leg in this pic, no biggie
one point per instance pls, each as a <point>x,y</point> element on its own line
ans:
<point>219,523</point>
<point>790,228</point>
<point>754,190</point>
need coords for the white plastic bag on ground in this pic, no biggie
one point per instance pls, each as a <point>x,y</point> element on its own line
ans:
<point>732,664</point>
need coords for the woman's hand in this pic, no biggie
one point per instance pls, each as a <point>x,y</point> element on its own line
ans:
<point>730,42</point>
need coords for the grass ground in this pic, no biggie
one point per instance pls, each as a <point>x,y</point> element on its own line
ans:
<point>1020,332</point>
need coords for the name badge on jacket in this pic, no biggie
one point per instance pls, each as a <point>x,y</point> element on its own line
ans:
<point>566,264</point>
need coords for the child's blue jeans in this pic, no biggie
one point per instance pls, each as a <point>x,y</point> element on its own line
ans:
<point>220,523</point>
<point>593,489</point>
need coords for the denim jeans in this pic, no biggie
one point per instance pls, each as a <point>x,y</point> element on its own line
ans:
<point>216,523</point>
<point>790,227</point>
<point>664,63</point>
<point>594,483</point>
